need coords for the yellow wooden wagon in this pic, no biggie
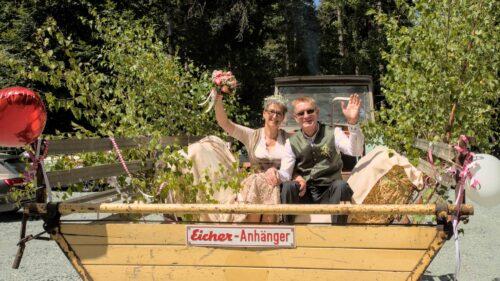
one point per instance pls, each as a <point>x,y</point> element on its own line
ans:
<point>121,250</point>
<point>111,249</point>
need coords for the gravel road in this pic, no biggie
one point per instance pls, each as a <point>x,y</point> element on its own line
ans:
<point>480,248</point>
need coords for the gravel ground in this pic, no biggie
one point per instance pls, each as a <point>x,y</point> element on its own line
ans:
<point>480,248</point>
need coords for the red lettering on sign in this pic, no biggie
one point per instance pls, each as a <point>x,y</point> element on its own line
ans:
<point>194,236</point>
<point>241,236</point>
<point>198,235</point>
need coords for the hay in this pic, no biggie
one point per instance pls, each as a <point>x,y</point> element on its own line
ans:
<point>393,188</point>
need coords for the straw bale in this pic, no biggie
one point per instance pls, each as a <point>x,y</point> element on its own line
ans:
<point>393,188</point>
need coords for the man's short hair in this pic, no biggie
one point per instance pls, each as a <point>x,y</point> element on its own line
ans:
<point>304,99</point>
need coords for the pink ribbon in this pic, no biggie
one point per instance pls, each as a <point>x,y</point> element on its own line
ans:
<point>29,175</point>
<point>120,156</point>
<point>124,165</point>
<point>463,174</point>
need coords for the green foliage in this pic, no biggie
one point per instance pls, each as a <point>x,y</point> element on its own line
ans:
<point>121,82</point>
<point>352,40</point>
<point>14,32</point>
<point>172,174</point>
<point>447,57</point>
<point>171,180</point>
<point>256,40</point>
<point>126,86</point>
<point>223,34</point>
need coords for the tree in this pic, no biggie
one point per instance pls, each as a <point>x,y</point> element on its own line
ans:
<point>16,29</point>
<point>123,84</point>
<point>210,35</point>
<point>126,85</point>
<point>441,78</point>
<point>352,41</point>
<point>258,40</point>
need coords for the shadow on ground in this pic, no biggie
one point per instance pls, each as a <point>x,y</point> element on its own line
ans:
<point>446,277</point>
<point>15,216</point>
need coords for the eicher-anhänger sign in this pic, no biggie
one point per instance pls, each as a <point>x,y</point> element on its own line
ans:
<point>241,236</point>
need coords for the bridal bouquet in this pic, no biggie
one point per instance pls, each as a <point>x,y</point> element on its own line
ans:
<point>224,83</point>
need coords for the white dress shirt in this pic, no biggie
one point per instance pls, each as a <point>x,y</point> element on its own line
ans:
<point>351,145</point>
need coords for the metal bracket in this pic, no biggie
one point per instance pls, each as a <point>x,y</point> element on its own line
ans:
<point>31,237</point>
<point>52,217</point>
<point>442,219</point>
<point>441,212</point>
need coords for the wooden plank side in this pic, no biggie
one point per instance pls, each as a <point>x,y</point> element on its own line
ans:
<point>190,273</point>
<point>439,149</point>
<point>444,178</point>
<point>362,236</point>
<point>63,178</point>
<point>429,255</point>
<point>301,257</point>
<point>350,236</point>
<point>72,146</point>
<point>74,260</point>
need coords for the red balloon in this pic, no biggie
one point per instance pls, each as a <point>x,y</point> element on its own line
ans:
<point>22,116</point>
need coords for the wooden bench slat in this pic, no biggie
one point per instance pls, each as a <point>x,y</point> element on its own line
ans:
<point>66,177</point>
<point>439,149</point>
<point>97,196</point>
<point>72,146</point>
<point>445,179</point>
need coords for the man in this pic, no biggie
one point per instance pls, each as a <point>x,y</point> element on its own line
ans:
<point>312,157</point>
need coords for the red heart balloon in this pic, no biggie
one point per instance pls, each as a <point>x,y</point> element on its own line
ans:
<point>22,116</point>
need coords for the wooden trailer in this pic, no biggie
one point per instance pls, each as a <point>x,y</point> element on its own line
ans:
<point>123,250</point>
<point>107,248</point>
<point>110,248</point>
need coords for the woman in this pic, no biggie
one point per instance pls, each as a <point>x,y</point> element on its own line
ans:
<point>265,148</point>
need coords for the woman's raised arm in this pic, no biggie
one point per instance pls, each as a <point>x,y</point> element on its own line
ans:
<point>221,116</point>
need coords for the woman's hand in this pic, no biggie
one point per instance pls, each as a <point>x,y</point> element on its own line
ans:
<point>218,96</point>
<point>272,176</point>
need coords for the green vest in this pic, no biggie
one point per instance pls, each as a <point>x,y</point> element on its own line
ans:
<point>318,163</point>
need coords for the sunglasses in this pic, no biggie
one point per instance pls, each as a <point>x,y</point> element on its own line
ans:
<point>309,112</point>
<point>277,113</point>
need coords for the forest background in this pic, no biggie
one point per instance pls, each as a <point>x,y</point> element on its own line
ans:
<point>129,68</point>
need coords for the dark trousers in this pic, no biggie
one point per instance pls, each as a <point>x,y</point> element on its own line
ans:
<point>338,191</point>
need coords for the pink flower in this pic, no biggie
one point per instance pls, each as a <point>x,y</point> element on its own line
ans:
<point>224,81</point>
<point>217,81</point>
<point>216,73</point>
<point>225,89</point>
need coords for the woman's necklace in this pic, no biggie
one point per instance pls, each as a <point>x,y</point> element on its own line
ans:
<point>269,142</point>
